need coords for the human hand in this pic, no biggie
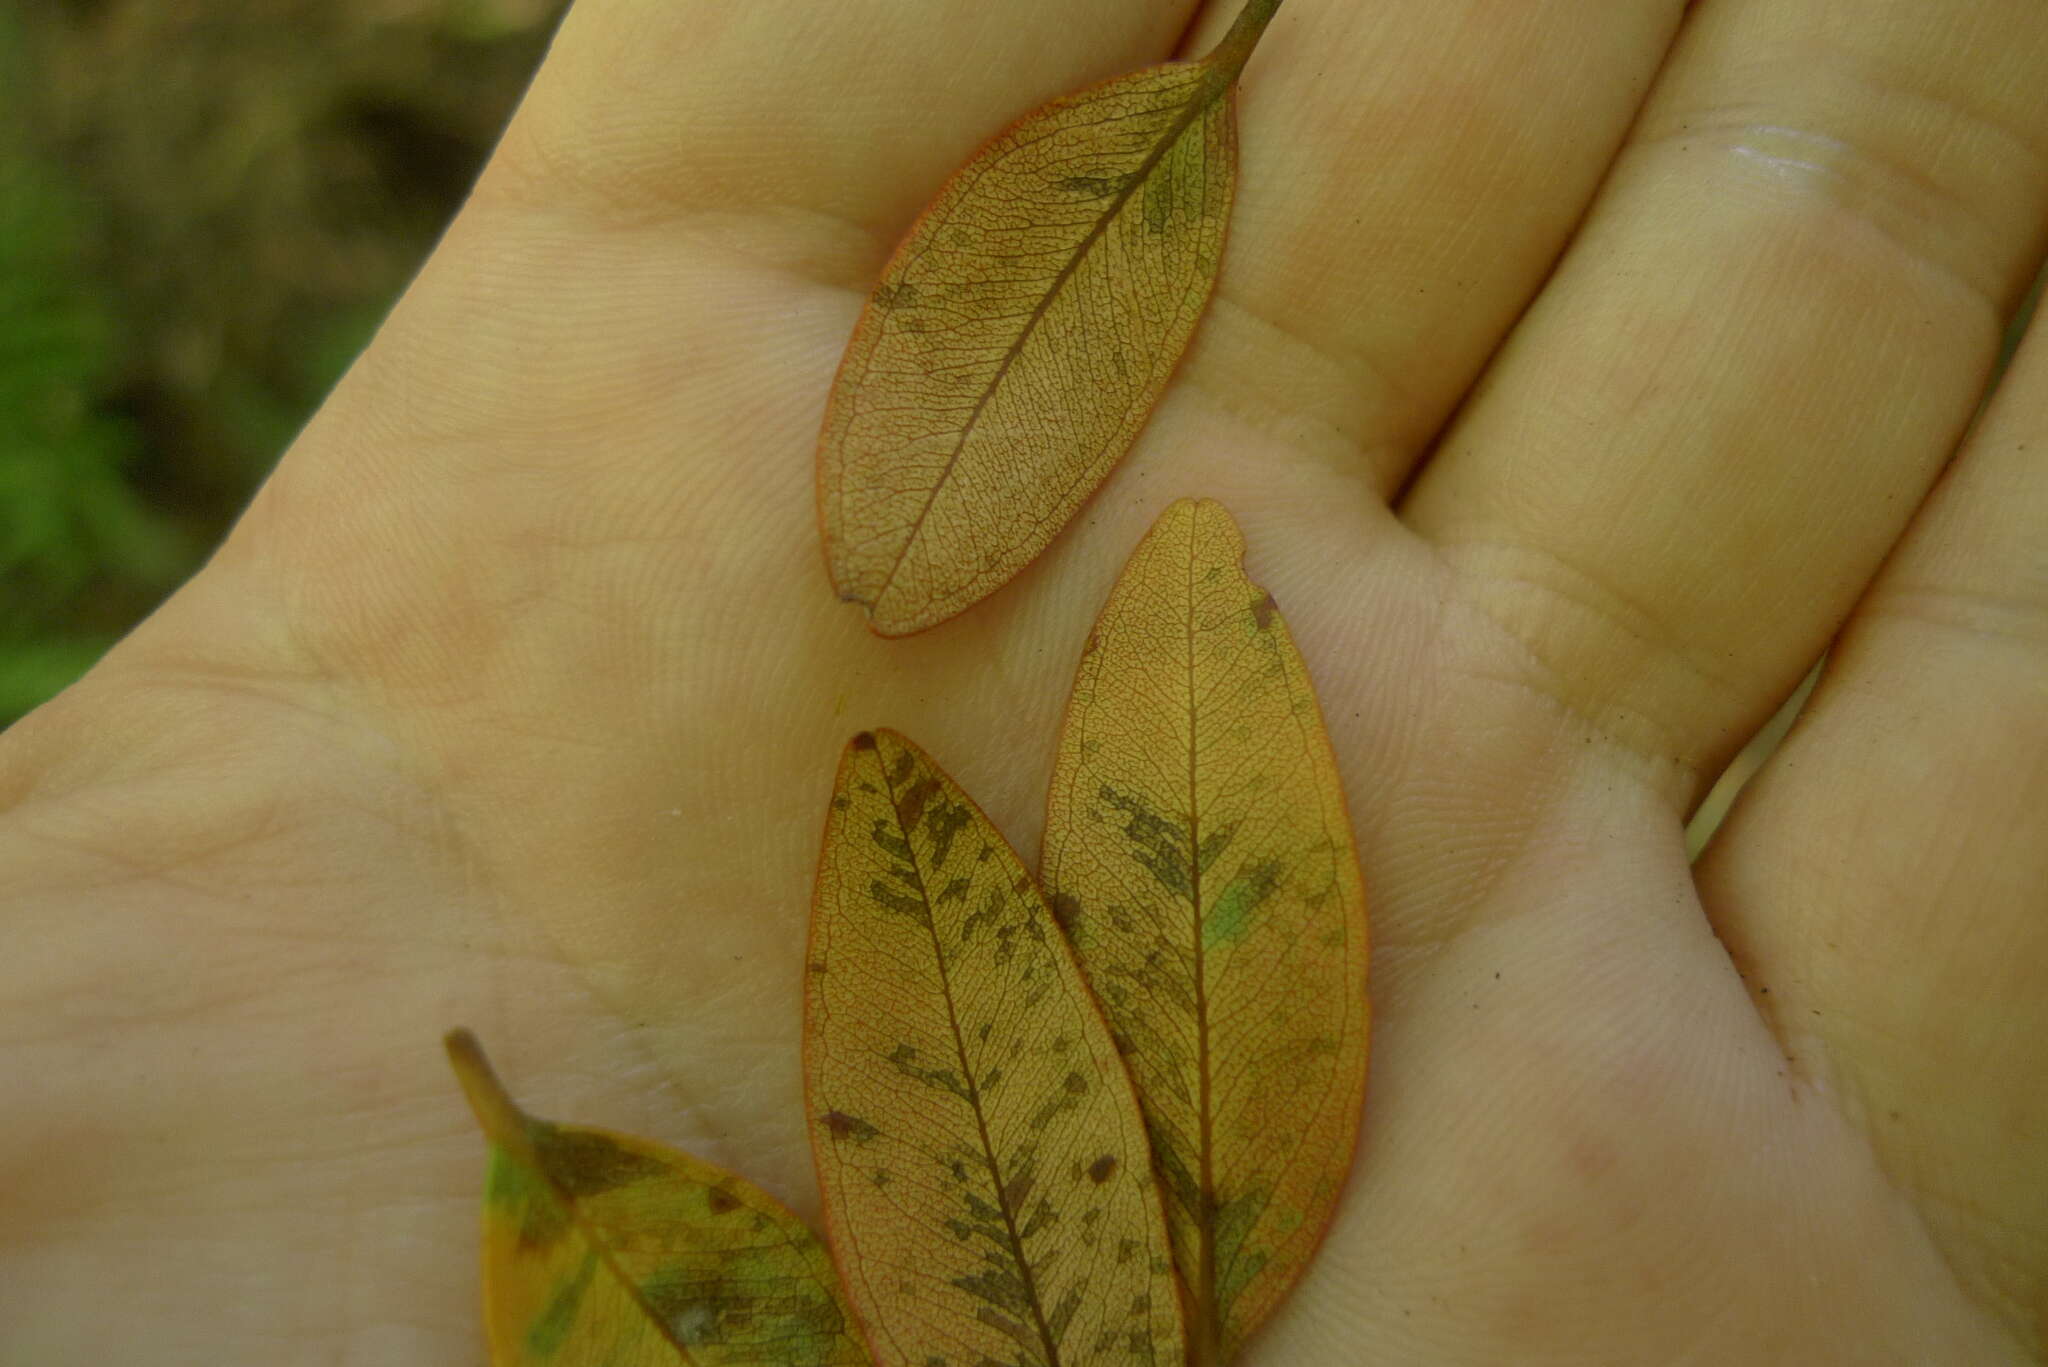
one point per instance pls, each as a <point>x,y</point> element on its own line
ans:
<point>514,700</point>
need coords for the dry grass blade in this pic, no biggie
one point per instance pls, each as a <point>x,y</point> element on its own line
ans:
<point>1198,853</point>
<point>1022,333</point>
<point>982,1157</point>
<point>604,1249</point>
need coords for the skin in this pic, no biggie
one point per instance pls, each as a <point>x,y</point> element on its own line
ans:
<point>1579,373</point>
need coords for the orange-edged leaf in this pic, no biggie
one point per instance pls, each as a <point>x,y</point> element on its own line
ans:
<point>1199,856</point>
<point>604,1249</point>
<point>987,1190</point>
<point>1022,333</point>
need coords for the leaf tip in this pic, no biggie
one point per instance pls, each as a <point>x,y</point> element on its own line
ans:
<point>1209,521</point>
<point>1211,512</point>
<point>888,623</point>
<point>878,620</point>
<point>864,741</point>
<point>899,749</point>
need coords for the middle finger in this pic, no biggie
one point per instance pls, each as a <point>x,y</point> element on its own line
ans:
<point>1695,449</point>
<point>1410,172</point>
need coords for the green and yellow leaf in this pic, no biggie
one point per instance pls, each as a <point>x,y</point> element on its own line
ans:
<point>604,1249</point>
<point>1022,333</point>
<point>983,1161</point>
<point>1199,856</point>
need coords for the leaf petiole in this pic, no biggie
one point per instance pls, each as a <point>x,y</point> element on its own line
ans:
<point>1228,57</point>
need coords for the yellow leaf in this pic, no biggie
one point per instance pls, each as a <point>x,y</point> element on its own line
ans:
<point>987,1190</point>
<point>1022,333</point>
<point>1198,854</point>
<point>604,1249</point>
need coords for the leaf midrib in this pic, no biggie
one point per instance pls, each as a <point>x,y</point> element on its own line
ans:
<point>1207,1330</point>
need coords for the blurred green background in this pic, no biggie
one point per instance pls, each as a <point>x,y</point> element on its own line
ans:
<point>206,206</point>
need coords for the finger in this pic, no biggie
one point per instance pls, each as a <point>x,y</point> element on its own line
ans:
<point>1714,422</point>
<point>1409,175</point>
<point>1882,881</point>
<point>854,111</point>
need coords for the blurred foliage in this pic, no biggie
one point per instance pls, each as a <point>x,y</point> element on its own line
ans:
<point>205,209</point>
<point>75,541</point>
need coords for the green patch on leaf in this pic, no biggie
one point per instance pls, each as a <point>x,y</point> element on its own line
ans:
<point>551,1330</point>
<point>1231,917</point>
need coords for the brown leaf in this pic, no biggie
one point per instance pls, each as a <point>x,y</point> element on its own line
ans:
<point>604,1249</point>
<point>1197,838</point>
<point>1022,333</point>
<point>981,1155</point>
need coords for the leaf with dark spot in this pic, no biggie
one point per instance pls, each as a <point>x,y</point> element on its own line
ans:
<point>918,1020</point>
<point>1022,333</point>
<point>650,1256</point>
<point>1196,809</point>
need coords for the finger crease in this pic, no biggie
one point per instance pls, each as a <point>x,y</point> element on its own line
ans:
<point>1557,612</point>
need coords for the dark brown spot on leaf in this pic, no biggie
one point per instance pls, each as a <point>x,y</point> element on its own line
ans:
<point>896,296</point>
<point>1092,187</point>
<point>1102,1169</point>
<point>911,808</point>
<point>943,822</point>
<point>585,1164</point>
<point>843,1126</point>
<point>1155,842</point>
<point>903,904</point>
<point>1018,1188</point>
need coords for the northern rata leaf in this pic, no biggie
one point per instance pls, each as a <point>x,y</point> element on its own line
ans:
<point>983,1162</point>
<point>604,1249</point>
<point>1198,853</point>
<point>1022,333</point>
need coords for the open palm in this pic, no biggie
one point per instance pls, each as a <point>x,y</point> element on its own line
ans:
<point>1578,372</point>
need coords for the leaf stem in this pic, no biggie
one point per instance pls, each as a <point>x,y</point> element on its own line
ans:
<point>1228,57</point>
<point>504,1124</point>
